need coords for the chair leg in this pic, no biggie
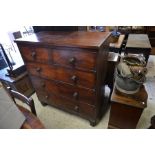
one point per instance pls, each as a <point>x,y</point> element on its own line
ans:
<point>33,110</point>
<point>152,123</point>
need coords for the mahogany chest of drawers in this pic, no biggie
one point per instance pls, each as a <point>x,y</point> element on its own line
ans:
<point>68,70</point>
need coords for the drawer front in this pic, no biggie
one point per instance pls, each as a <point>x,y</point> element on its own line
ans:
<point>87,110</point>
<point>38,54</point>
<point>58,101</point>
<point>81,59</point>
<point>76,94</point>
<point>74,77</point>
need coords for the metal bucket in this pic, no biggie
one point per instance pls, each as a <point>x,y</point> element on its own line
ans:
<point>124,79</point>
<point>126,85</point>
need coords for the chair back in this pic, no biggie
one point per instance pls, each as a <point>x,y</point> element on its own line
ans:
<point>29,101</point>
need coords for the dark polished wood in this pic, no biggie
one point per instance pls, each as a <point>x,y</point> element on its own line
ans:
<point>20,83</point>
<point>126,109</point>
<point>68,70</point>
<point>138,43</point>
<point>70,91</point>
<point>85,79</point>
<point>31,122</point>
<point>113,59</point>
<point>56,28</point>
<point>39,54</point>
<point>71,58</point>
<point>90,40</point>
<point>150,30</point>
<point>82,109</point>
<point>78,58</point>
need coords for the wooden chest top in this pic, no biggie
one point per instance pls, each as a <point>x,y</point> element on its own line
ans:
<point>93,40</point>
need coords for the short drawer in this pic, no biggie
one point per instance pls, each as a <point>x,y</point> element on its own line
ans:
<point>74,93</point>
<point>71,76</point>
<point>81,59</point>
<point>37,54</point>
<point>58,101</point>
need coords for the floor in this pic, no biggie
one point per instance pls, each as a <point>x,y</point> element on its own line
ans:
<point>54,118</point>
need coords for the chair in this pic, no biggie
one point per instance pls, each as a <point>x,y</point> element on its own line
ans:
<point>31,121</point>
<point>21,97</point>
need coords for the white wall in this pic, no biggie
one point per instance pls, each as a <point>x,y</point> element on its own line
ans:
<point>5,40</point>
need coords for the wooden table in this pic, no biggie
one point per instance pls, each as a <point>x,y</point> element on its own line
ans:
<point>31,122</point>
<point>126,109</point>
<point>137,44</point>
<point>21,83</point>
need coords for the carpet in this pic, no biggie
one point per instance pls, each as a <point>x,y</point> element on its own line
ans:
<point>53,118</point>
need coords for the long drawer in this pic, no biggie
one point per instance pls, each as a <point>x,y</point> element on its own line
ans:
<point>75,77</point>
<point>83,109</point>
<point>76,94</point>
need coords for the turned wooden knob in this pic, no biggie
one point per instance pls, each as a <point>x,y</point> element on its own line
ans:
<point>33,54</point>
<point>74,78</point>
<point>38,69</point>
<point>75,95</point>
<point>72,60</point>
<point>46,96</point>
<point>43,84</point>
<point>76,108</point>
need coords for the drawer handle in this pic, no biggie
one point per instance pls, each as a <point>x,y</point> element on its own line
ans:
<point>46,96</point>
<point>33,54</point>
<point>38,69</point>
<point>74,78</point>
<point>75,95</point>
<point>76,108</point>
<point>43,84</point>
<point>72,60</point>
